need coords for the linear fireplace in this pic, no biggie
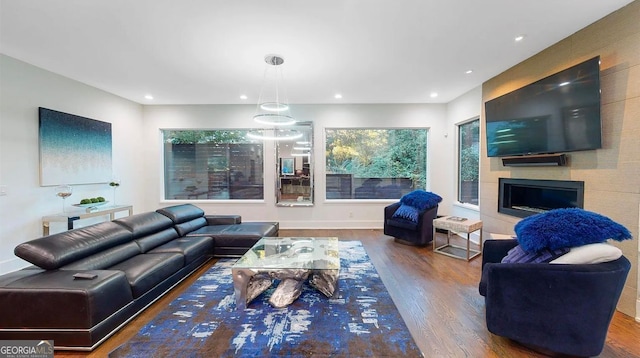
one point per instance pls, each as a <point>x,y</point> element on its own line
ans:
<point>524,197</point>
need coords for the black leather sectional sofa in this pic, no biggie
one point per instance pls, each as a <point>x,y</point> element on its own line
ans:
<point>88,282</point>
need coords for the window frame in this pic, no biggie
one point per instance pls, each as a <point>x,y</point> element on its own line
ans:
<point>459,189</point>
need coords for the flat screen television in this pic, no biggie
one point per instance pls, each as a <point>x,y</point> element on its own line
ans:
<point>559,113</point>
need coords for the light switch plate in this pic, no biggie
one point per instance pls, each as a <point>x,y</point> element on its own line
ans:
<point>3,190</point>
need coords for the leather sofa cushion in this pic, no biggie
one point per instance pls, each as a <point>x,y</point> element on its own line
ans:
<point>190,247</point>
<point>186,217</point>
<point>268,228</point>
<point>145,271</point>
<point>55,299</point>
<point>154,240</point>
<point>223,219</point>
<point>251,229</point>
<point>189,226</point>
<point>54,251</point>
<point>7,279</point>
<point>209,231</point>
<point>105,259</point>
<point>241,235</point>
<point>145,224</point>
<point>181,213</point>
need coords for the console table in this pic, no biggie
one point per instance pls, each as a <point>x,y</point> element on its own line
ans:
<point>73,215</point>
<point>467,226</point>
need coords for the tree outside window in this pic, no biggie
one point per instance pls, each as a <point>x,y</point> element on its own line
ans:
<point>375,163</point>
<point>468,161</point>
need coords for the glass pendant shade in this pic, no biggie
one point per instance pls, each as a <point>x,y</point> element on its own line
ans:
<point>272,108</point>
<point>274,119</point>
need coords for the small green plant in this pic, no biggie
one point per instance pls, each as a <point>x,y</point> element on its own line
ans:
<point>92,200</point>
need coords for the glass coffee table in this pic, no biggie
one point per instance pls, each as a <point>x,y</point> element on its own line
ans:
<point>290,260</point>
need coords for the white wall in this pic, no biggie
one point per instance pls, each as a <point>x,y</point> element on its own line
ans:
<point>24,88</point>
<point>324,214</point>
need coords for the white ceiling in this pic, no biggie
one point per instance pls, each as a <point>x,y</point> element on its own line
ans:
<point>211,51</point>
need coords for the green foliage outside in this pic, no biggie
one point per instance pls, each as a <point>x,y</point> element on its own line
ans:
<point>378,153</point>
<point>365,153</point>
<point>469,159</point>
<point>204,136</point>
<point>469,151</point>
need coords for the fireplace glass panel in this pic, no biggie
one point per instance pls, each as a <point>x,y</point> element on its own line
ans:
<point>524,197</point>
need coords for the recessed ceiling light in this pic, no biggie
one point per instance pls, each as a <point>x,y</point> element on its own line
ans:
<point>337,96</point>
<point>433,95</point>
<point>243,96</point>
<point>148,96</point>
<point>468,71</point>
<point>519,38</point>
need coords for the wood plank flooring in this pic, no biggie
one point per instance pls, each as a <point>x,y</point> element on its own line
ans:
<point>436,295</point>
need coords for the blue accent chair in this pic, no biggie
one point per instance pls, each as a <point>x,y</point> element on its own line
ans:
<point>551,308</point>
<point>406,231</point>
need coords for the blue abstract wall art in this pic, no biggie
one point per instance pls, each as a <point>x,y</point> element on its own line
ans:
<point>73,149</point>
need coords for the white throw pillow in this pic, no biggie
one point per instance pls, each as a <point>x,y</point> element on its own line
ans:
<point>589,254</point>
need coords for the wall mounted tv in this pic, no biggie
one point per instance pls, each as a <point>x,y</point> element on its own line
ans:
<point>559,113</point>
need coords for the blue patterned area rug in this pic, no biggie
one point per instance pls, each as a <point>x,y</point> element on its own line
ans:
<point>360,320</point>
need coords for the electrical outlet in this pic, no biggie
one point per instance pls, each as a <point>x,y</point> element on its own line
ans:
<point>3,190</point>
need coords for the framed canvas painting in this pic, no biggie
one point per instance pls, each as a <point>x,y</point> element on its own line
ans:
<point>73,149</point>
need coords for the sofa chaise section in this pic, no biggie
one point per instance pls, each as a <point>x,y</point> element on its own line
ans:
<point>231,236</point>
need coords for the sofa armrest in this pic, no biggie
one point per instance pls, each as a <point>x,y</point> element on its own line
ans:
<point>494,250</point>
<point>223,219</point>
<point>426,220</point>
<point>492,253</point>
<point>390,210</point>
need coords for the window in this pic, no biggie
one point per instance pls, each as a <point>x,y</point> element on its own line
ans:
<point>375,163</point>
<point>468,161</point>
<point>212,164</point>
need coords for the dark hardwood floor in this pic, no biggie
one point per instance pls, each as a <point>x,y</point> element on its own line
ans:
<point>436,295</point>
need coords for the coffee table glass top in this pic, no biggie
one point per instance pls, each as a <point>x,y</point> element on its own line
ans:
<point>315,253</point>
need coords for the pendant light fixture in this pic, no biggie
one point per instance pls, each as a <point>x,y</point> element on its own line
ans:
<point>273,108</point>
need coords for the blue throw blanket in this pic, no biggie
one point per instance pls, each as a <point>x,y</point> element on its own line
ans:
<point>415,202</point>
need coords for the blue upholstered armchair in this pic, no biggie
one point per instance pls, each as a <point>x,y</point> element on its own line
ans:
<point>404,231</point>
<point>557,308</point>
